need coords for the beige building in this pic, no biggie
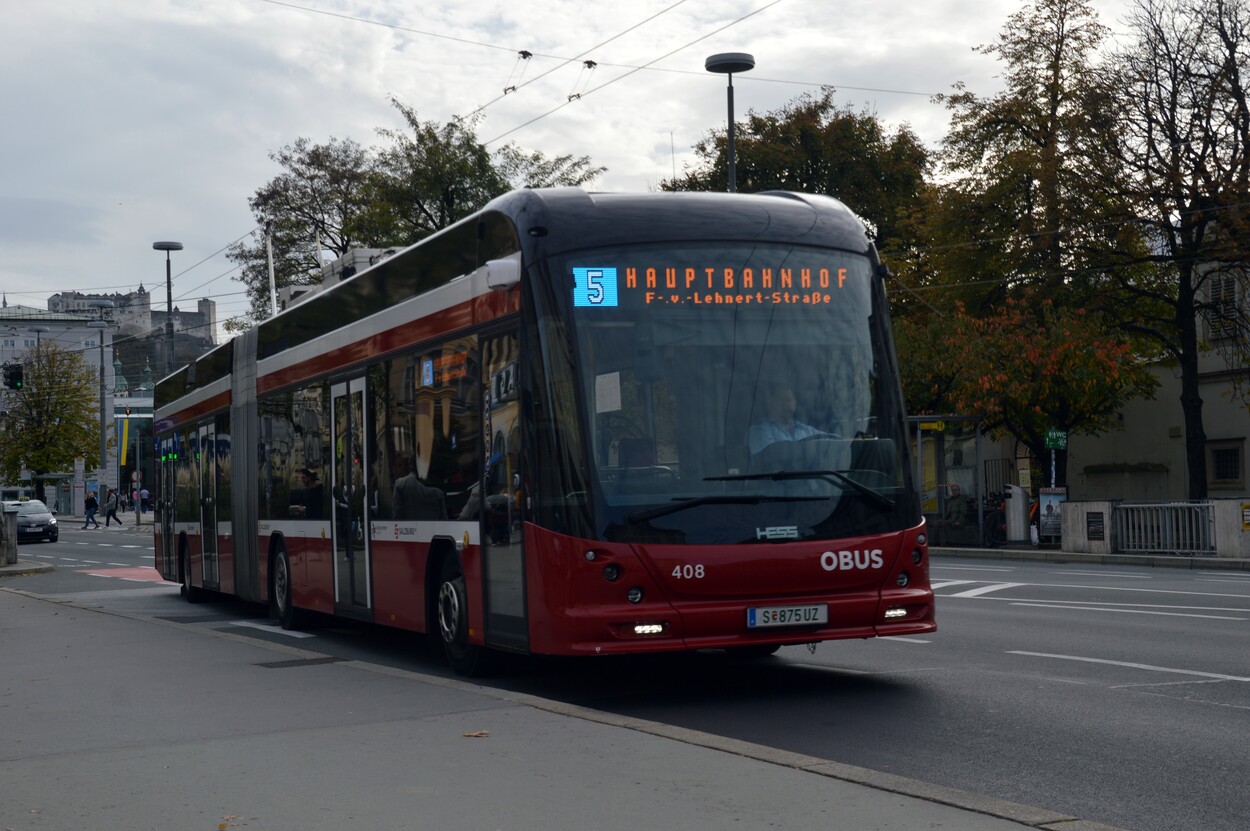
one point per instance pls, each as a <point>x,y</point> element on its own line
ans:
<point>1146,460</point>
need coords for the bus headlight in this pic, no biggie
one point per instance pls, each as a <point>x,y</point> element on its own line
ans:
<point>903,579</point>
<point>634,595</point>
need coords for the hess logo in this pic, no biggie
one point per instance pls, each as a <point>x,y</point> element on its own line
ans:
<point>851,560</point>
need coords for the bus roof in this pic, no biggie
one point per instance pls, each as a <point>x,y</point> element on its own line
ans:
<point>541,222</point>
<point>608,218</point>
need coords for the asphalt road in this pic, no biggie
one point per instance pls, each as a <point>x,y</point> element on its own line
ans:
<point>1118,694</point>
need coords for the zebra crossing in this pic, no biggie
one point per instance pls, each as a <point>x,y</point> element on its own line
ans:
<point>981,587</point>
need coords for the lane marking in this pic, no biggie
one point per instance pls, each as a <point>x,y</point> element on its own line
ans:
<point>272,629</point>
<point>1042,605</point>
<point>944,583</point>
<point>936,567</point>
<point>1120,589</point>
<point>977,592</point>
<point>1078,603</point>
<point>908,640</point>
<point>1129,665</point>
<point>1106,574</point>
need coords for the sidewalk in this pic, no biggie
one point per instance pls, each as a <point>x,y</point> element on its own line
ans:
<point>113,721</point>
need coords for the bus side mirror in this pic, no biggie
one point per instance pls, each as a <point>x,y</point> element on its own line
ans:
<point>502,275</point>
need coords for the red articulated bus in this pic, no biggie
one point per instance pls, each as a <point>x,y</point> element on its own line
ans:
<point>571,424</point>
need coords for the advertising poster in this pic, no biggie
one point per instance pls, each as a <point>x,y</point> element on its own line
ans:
<point>1049,512</point>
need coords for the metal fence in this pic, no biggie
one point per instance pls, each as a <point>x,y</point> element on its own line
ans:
<point>1165,528</point>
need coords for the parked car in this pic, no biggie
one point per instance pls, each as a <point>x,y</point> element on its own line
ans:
<point>35,521</point>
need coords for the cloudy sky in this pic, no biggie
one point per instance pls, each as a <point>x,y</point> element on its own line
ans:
<point>134,121</point>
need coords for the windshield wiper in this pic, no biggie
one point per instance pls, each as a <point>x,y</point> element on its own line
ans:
<point>832,476</point>
<point>694,502</point>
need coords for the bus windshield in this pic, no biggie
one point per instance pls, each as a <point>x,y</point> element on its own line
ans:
<point>738,393</point>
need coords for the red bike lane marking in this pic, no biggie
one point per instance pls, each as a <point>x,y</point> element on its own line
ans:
<point>141,574</point>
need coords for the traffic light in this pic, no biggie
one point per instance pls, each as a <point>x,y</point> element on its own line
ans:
<point>13,376</point>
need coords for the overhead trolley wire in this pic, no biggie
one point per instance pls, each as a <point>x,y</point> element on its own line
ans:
<point>631,72</point>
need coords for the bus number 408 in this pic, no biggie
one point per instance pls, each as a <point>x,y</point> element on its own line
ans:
<point>688,572</point>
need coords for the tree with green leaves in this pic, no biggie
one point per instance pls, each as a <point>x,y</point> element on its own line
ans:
<point>1020,161</point>
<point>810,145</point>
<point>311,207</point>
<point>53,418</point>
<point>433,175</point>
<point>340,196</point>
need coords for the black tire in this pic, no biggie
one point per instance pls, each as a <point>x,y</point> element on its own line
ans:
<point>193,594</point>
<point>451,614</point>
<point>281,604</point>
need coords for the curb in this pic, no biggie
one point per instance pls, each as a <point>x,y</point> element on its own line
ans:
<point>24,567</point>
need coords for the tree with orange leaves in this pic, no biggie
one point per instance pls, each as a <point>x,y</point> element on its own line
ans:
<point>1028,367</point>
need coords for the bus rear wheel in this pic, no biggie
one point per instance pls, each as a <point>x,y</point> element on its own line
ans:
<point>452,608</point>
<point>190,592</point>
<point>280,590</point>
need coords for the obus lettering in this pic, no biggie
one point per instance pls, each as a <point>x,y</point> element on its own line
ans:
<point>852,560</point>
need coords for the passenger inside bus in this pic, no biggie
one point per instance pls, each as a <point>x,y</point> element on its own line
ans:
<point>414,499</point>
<point>308,500</point>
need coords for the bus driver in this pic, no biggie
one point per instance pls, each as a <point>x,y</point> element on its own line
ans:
<point>779,423</point>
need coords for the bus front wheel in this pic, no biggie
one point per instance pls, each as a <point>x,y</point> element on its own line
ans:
<point>453,621</point>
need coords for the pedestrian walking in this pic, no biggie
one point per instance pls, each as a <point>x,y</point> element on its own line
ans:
<point>90,505</point>
<point>110,508</point>
<point>143,500</point>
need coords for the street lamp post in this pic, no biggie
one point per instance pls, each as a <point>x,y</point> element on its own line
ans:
<point>102,326</point>
<point>728,63</point>
<point>38,330</point>
<point>169,303</point>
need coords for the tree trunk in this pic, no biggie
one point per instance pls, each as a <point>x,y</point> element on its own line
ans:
<point>1191,397</point>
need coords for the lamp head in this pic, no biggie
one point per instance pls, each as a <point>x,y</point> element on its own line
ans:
<point>730,62</point>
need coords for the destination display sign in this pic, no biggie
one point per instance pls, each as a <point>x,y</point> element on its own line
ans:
<point>607,286</point>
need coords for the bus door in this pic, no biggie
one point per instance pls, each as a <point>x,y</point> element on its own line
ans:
<point>167,555</point>
<point>207,458</point>
<point>505,494</point>
<point>350,490</point>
